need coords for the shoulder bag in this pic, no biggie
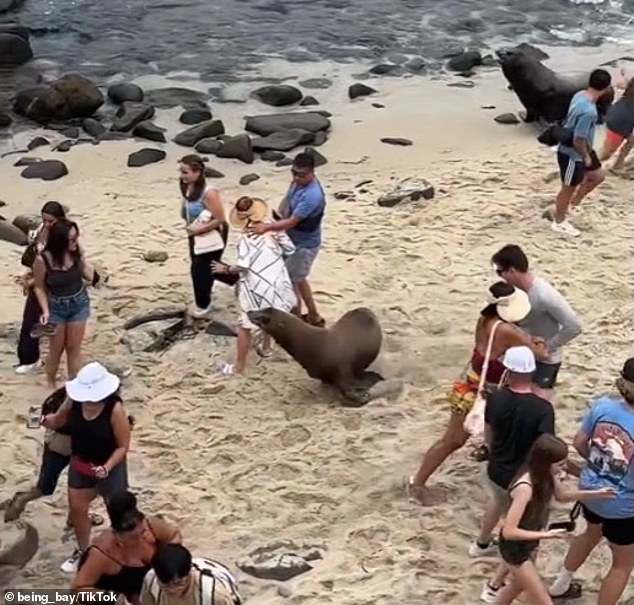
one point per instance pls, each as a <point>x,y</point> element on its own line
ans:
<point>206,242</point>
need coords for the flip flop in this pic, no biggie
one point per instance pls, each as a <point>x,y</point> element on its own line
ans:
<point>95,519</point>
<point>318,323</point>
<point>39,330</point>
<point>228,369</point>
<point>480,453</point>
<point>574,591</point>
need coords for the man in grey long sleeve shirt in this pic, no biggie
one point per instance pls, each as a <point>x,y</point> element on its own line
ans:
<point>550,318</point>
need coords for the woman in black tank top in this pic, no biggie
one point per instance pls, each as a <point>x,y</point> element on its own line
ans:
<point>60,273</point>
<point>119,558</point>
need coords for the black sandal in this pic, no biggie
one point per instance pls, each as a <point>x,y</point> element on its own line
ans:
<point>480,453</point>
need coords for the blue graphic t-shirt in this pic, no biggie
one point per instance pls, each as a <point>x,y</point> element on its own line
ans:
<point>610,429</point>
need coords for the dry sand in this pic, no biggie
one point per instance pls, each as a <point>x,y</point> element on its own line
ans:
<point>242,463</point>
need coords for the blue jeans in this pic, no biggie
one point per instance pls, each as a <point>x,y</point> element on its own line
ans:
<point>67,309</point>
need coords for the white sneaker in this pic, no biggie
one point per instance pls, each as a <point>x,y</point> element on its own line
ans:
<point>72,563</point>
<point>566,228</point>
<point>491,550</point>
<point>28,368</point>
<point>489,594</point>
<point>199,313</point>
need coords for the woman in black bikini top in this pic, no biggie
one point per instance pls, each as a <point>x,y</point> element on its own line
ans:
<point>119,558</point>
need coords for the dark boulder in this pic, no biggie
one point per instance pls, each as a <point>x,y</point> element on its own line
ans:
<point>166,98</point>
<point>284,162</point>
<point>386,69</point>
<point>249,178</point>
<point>396,141</point>
<point>64,146</point>
<point>145,156</point>
<point>312,121</point>
<point>47,170</point>
<point>125,91</point>
<point>72,132</point>
<point>149,131</point>
<point>238,147</point>
<point>37,142</point>
<point>5,120</point>
<point>309,100</point>
<point>272,156</point>
<point>195,116</point>
<point>27,161</point>
<point>360,90</point>
<point>319,159</point>
<point>130,114</point>
<point>507,118</point>
<point>111,135</point>
<point>320,138</point>
<point>284,140</point>
<point>465,61</point>
<point>15,48</point>
<point>415,64</point>
<point>278,95</point>
<point>72,96</point>
<point>191,136</point>
<point>212,173</point>
<point>208,145</point>
<point>93,127</point>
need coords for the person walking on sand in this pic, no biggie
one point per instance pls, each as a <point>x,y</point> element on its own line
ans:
<point>619,123</point>
<point>606,441</point>
<point>531,492</point>
<point>579,165</point>
<point>495,333</point>
<point>303,209</point>
<point>550,317</point>
<point>206,227</point>
<point>264,281</point>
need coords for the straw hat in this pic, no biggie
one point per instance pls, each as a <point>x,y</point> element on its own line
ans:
<point>93,383</point>
<point>248,210</point>
<point>512,308</point>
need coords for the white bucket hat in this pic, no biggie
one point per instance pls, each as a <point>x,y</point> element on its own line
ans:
<point>92,383</point>
<point>520,360</point>
<point>512,308</point>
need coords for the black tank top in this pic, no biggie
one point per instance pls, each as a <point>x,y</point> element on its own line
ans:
<point>93,440</point>
<point>63,282</point>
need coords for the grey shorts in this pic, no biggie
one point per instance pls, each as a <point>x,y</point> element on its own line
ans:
<point>300,262</point>
<point>116,481</point>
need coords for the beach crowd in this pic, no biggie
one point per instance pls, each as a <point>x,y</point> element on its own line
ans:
<point>503,403</point>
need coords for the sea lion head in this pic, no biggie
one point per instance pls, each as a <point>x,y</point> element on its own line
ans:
<point>276,324</point>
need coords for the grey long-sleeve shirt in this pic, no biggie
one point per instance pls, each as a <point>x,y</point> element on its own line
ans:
<point>550,318</point>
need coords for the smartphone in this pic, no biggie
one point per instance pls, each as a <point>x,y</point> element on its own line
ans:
<point>34,421</point>
<point>568,526</point>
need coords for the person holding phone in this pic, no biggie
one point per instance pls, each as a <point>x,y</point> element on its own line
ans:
<point>525,525</point>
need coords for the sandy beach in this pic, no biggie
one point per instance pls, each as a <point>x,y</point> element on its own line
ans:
<point>242,463</point>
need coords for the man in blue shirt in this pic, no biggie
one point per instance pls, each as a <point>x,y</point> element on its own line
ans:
<point>302,210</point>
<point>606,441</point>
<point>579,165</point>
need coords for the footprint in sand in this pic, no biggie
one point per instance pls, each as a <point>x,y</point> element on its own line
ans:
<point>294,435</point>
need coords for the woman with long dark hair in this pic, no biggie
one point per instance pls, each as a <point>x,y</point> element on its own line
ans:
<point>60,273</point>
<point>206,227</point>
<point>29,347</point>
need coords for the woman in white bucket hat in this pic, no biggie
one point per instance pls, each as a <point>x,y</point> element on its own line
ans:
<point>100,437</point>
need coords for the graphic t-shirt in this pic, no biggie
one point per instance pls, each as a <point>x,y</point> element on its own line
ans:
<point>610,429</point>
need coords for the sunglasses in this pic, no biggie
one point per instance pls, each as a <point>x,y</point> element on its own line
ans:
<point>299,173</point>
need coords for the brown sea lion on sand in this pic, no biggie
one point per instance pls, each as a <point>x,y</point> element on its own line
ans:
<point>338,355</point>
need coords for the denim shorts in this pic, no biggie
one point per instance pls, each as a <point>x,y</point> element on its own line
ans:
<point>66,309</point>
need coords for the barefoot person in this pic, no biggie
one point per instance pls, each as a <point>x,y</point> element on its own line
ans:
<point>619,123</point>
<point>119,558</point>
<point>550,317</point>
<point>177,579</point>
<point>61,274</point>
<point>206,228</point>
<point>264,281</point>
<point>303,210</point>
<point>606,441</point>
<point>531,492</point>
<point>579,165</point>
<point>507,305</point>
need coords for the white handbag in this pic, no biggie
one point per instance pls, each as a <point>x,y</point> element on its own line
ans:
<point>211,241</point>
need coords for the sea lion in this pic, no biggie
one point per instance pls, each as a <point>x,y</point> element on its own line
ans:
<point>545,94</point>
<point>338,355</point>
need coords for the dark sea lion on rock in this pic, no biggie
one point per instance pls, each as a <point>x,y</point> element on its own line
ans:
<point>338,355</point>
<point>545,94</point>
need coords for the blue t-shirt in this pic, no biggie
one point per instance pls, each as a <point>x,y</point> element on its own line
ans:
<point>307,203</point>
<point>610,429</point>
<point>581,119</point>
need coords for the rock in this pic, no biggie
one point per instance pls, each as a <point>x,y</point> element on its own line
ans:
<point>145,156</point>
<point>465,84</point>
<point>284,162</point>
<point>72,96</point>
<point>27,222</point>
<point>415,64</point>
<point>489,61</point>
<point>249,178</point>
<point>125,91</point>
<point>309,100</point>
<point>507,118</point>
<point>344,195</point>
<point>396,141</point>
<point>10,233</point>
<point>280,561</point>
<point>487,106</point>
<point>15,48</point>
<point>166,98</point>
<point>278,95</point>
<point>465,61</point>
<point>110,135</point>
<point>47,170</point>
<point>284,591</point>
<point>72,132</point>
<point>238,147</point>
<point>272,156</point>
<point>319,83</point>
<point>19,542</point>
<point>93,127</point>
<point>27,161</point>
<point>378,105</point>
<point>211,173</point>
<point>155,256</point>
<point>37,142</point>
<point>360,90</point>
<point>284,140</point>
<point>208,145</point>
<point>313,121</point>
<point>320,138</point>
<point>64,146</point>
<point>384,69</point>
<point>150,131</point>
<point>119,367</point>
<point>320,160</point>
<point>130,114</point>
<point>195,116</point>
<point>5,120</point>
<point>191,136</point>
<point>413,189</point>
